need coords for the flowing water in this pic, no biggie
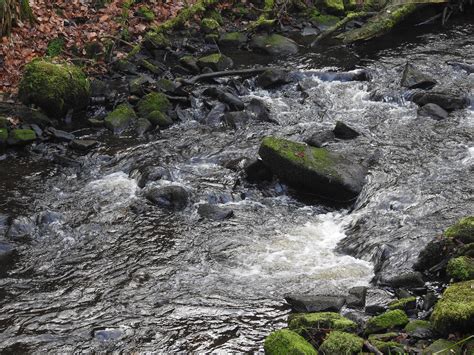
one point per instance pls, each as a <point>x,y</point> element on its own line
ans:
<point>110,272</point>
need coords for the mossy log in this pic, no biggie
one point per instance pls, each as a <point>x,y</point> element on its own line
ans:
<point>13,11</point>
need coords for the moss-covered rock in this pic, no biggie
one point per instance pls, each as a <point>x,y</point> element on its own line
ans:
<point>166,85</point>
<point>146,13</point>
<point>455,310</point>
<point>443,347</point>
<point>215,15</point>
<point>274,44</point>
<point>209,25</point>
<point>417,324</point>
<point>462,231</point>
<point>21,136</point>
<point>283,342</point>
<point>338,342</point>
<point>389,347</point>
<point>190,63</point>
<point>327,174</point>
<point>154,40</point>
<point>55,47</point>
<point>403,304</point>
<point>386,321</point>
<point>153,101</point>
<point>461,268</point>
<point>55,88</point>
<point>216,61</point>
<point>3,135</point>
<point>232,39</point>
<point>120,119</point>
<point>303,322</point>
<point>160,119</point>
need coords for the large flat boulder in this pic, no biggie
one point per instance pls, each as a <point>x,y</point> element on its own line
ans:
<point>317,170</point>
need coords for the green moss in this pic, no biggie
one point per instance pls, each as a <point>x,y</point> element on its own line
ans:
<point>216,61</point>
<point>145,12</point>
<point>402,304</point>
<point>286,342</point>
<point>324,19</point>
<point>209,25</point>
<point>213,14</point>
<point>455,310</point>
<point>302,322</point>
<point>383,337</point>
<point>388,320</point>
<point>443,347</point>
<point>388,347</point>
<point>19,136</point>
<point>120,118</point>
<point>56,88</point>
<point>463,230</point>
<point>150,66</point>
<point>3,135</point>
<point>155,40</point>
<point>55,47</point>
<point>153,101</point>
<point>4,122</point>
<point>158,118</point>
<point>232,38</point>
<point>339,342</point>
<point>461,268</point>
<point>166,85</point>
<point>417,324</point>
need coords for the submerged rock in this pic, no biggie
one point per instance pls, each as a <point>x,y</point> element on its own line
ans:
<point>256,171</point>
<point>433,111</point>
<point>259,111</point>
<point>338,342</point>
<point>7,256</point>
<point>328,174</point>
<point>447,101</point>
<point>285,341</point>
<point>272,78</point>
<point>274,44</point>
<point>55,88</point>
<point>316,303</point>
<point>171,197</point>
<point>413,78</point>
<point>216,62</point>
<point>214,212</point>
<point>83,145</point>
<point>149,174</point>
<point>120,119</point>
<point>343,131</point>
<point>21,228</point>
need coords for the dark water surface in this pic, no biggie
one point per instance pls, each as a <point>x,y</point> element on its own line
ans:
<point>113,273</point>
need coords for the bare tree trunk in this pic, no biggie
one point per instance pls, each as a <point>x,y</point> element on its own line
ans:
<point>12,12</point>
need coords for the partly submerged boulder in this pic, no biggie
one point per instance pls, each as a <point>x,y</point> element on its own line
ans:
<point>317,170</point>
<point>448,101</point>
<point>55,88</point>
<point>462,231</point>
<point>315,303</point>
<point>413,78</point>
<point>433,111</point>
<point>274,44</point>
<point>386,321</point>
<point>285,341</point>
<point>216,62</point>
<point>120,119</point>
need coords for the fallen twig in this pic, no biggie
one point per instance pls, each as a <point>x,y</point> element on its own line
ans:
<point>220,74</point>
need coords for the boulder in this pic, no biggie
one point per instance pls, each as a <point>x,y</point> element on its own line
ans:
<point>455,310</point>
<point>232,39</point>
<point>83,145</point>
<point>259,111</point>
<point>315,303</point>
<point>59,136</point>
<point>214,212</point>
<point>356,297</point>
<point>412,279</point>
<point>171,197</point>
<point>338,342</point>
<point>143,126</point>
<point>461,268</point>
<point>386,321</point>
<point>433,111</point>
<point>343,131</point>
<point>443,347</point>
<point>462,231</point>
<point>407,304</point>
<point>447,101</point>
<point>21,136</point>
<point>216,62</point>
<point>272,78</point>
<point>55,88</point>
<point>285,341</point>
<point>120,119</point>
<point>413,78</point>
<point>209,25</point>
<point>307,323</point>
<point>274,44</point>
<point>317,170</point>
<point>21,228</point>
<point>420,329</point>
<point>160,119</point>
<point>320,139</point>
<point>152,102</point>
<point>155,40</point>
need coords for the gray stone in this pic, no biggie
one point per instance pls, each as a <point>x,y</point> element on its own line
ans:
<point>214,212</point>
<point>274,44</point>
<point>447,101</point>
<point>315,303</point>
<point>170,197</point>
<point>413,78</point>
<point>356,297</point>
<point>433,111</point>
<point>343,131</point>
<point>272,78</point>
<point>320,139</point>
<point>83,145</point>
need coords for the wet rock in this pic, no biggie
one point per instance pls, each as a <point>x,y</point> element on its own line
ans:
<point>328,174</point>
<point>316,303</point>
<point>209,25</point>
<point>343,131</point>
<point>440,346</point>
<point>214,212</point>
<point>214,117</point>
<point>232,39</point>
<point>48,217</point>
<point>7,256</point>
<point>259,111</point>
<point>136,84</point>
<point>377,300</point>
<point>232,101</point>
<point>464,66</point>
<point>125,66</point>
<point>420,329</point>
<point>429,300</point>
<point>171,197</point>
<point>153,102</point>
<point>56,88</point>
<point>154,40</point>
<point>387,321</point>
<point>190,63</point>
<point>272,78</point>
<point>447,101</point>
<point>83,145</point>
<point>320,139</point>
<point>21,228</point>
<point>108,334</point>
<point>216,62</point>
<point>149,174</point>
<point>143,126</point>
<point>237,119</point>
<point>21,136</point>
<point>256,171</point>
<point>168,86</point>
<point>356,297</point>
<point>413,78</point>
<point>94,122</point>
<point>120,119</point>
<point>433,111</point>
<point>3,224</point>
<point>60,136</point>
<point>273,44</point>
<point>407,304</point>
<point>157,118</point>
<point>406,280</point>
<point>433,254</point>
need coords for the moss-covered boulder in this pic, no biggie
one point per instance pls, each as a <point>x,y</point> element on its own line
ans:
<point>389,347</point>
<point>404,304</point>
<point>302,323</point>
<point>120,119</point>
<point>443,347</point>
<point>274,44</point>
<point>216,61</point>
<point>455,310</point>
<point>159,119</point>
<point>209,25</point>
<point>189,63</point>
<point>21,136</point>
<point>338,342</point>
<point>155,40</point>
<point>461,268</point>
<point>386,321</point>
<point>462,231</point>
<point>317,170</point>
<point>419,328</point>
<point>284,341</point>
<point>232,39</point>
<point>153,101</point>
<point>55,88</point>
